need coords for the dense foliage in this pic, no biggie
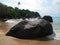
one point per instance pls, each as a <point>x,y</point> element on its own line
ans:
<point>7,12</point>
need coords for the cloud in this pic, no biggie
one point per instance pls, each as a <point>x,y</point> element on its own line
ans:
<point>53,9</point>
<point>29,4</point>
<point>12,3</point>
<point>55,1</point>
<point>42,6</point>
<point>6,3</point>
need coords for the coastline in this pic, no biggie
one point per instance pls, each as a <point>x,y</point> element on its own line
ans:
<point>4,27</point>
<point>57,32</point>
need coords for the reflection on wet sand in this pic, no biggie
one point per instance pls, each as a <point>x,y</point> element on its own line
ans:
<point>13,41</point>
<point>3,28</point>
<point>6,40</point>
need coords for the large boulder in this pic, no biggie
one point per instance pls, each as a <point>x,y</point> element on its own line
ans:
<point>31,28</point>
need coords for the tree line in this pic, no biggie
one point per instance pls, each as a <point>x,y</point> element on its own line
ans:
<point>7,12</point>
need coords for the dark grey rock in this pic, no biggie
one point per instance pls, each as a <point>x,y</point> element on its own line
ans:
<point>31,29</point>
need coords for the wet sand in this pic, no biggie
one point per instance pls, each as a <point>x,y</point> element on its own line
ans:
<point>6,40</point>
<point>13,41</point>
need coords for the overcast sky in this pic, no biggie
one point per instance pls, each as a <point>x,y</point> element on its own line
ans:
<point>44,7</point>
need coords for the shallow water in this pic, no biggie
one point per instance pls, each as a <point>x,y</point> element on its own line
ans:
<point>56,23</point>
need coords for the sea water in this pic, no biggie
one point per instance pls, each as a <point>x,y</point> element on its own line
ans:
<point>56,27</point>
<point>56,23</point>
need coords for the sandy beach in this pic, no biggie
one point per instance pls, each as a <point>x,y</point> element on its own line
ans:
<point>6,40</point>
<point>5,26</point>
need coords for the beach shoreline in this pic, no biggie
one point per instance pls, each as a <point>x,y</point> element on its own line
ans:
<point>57,32</point>
<point>4,27</point>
